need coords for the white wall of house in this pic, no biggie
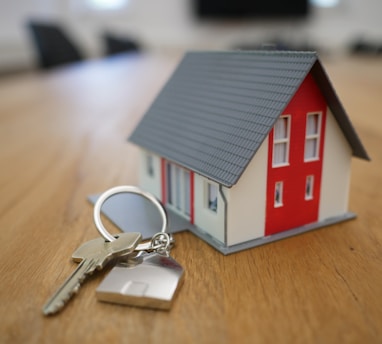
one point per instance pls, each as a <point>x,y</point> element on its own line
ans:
<point>150,182</point>
<point>247,201</point>
<point>206,219</point>
<point>335,172</point>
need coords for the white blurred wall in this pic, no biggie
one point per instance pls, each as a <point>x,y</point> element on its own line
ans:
<point>170,25</point>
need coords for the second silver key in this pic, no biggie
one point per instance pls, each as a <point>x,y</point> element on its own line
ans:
<point>92,255</point>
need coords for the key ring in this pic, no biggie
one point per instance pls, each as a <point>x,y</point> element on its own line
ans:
<point>134,190</point>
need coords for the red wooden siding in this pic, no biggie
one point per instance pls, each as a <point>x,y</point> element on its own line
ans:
<point>296,210</point>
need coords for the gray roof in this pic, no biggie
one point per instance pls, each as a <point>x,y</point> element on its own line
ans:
<point>218,107</point>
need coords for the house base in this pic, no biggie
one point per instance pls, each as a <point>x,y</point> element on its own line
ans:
<point>131,213</point>
<point>268,239</point>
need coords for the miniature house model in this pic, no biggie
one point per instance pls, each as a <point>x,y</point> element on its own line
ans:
<point>249,147</point>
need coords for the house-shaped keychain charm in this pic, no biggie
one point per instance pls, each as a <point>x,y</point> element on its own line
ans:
<point>249,147</point>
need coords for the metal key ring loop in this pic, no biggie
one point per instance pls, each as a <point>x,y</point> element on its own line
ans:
<point>125,189</point>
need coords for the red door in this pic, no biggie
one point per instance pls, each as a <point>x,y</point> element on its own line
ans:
<point>295,155</point>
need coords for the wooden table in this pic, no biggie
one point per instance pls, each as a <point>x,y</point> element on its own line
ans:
<point>63,136</point>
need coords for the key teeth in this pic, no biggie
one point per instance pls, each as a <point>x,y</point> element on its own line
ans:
<point>75,290</point>
<point>54,309</point>
<point>58,305</point>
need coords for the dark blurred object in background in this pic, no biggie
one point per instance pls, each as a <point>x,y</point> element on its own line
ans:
<point>362,46</point>
<point>277,44</point>
<point>115,44</point>
<point>215,9</point>
<point>53,46</point>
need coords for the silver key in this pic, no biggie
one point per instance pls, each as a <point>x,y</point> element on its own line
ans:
<point>92,255</point>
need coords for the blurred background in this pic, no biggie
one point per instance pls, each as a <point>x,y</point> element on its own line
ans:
<point>96,28</point>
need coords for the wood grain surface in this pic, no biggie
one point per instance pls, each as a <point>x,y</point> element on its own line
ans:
<point>63,136</point>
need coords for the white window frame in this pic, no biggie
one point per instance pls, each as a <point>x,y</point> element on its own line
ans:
<point>309,187</point>
<point>282,141</point>
<point>178,189</point>
<point>212,191</point>
<point>278,200</point>
<point>316,137</point>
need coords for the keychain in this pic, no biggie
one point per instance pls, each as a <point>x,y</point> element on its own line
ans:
<point>149,278</point>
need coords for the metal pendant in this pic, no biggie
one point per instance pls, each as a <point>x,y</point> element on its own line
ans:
<point>148,280</point>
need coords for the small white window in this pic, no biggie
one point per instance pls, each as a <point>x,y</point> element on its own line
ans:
<point>170,183</point>
<point>281,136</point>
<point>150,165</point>
<point>187,193</point>
<point>178,184</point>
<point>309,187</point>
<point>178,189</point>
<point>279,194</point>
<point>312,137</point>
<point>212,197</point>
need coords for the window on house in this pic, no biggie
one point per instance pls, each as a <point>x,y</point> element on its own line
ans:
<point>212,197</point>
<point>150,165</point>
<point>281,135</point>
<point>187,193</point>
<point>178,188</point>
<point>279,194</point>
<point>312,137</point>
<point>170,183</point>
<point>309,187</point>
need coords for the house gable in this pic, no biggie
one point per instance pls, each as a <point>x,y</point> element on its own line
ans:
<point>338,111</point>
<point>289,180</point>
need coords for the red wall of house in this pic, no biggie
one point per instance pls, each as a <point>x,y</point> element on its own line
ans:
<point>296,211</point>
